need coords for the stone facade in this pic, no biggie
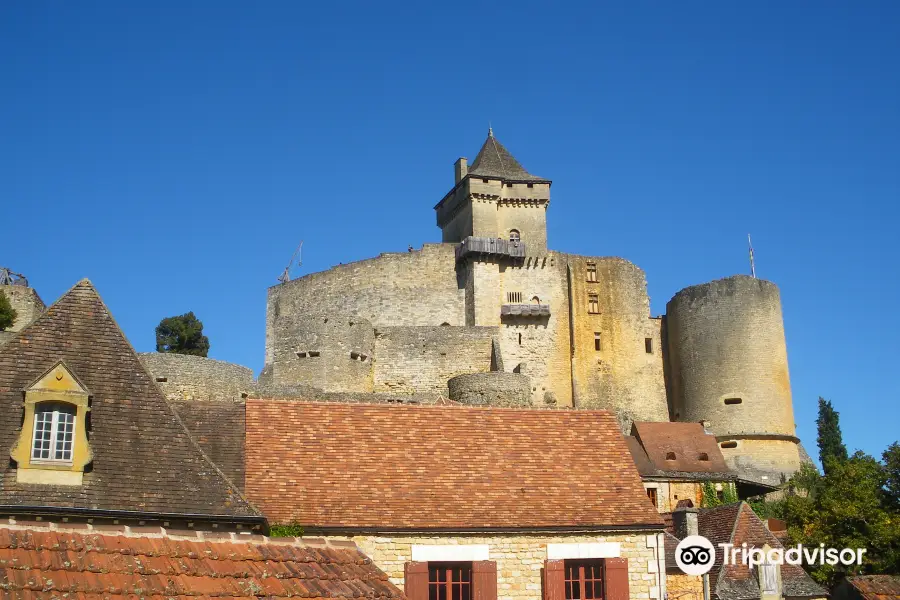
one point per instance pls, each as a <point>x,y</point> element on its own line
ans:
<point>521,557</point>
<point>27,304</point>
<point>491,389</point>
<point>184,377</point>
<point>688,587</point>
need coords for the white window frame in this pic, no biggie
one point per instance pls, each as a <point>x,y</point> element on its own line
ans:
<point>55,409</point>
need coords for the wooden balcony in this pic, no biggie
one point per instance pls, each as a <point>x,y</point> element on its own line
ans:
<point>487,246</point>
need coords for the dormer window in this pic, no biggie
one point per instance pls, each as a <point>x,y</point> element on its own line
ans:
<point>514,236</point>
<point>54,432</point>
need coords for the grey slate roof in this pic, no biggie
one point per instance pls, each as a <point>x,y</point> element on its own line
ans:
<point>495,161</point>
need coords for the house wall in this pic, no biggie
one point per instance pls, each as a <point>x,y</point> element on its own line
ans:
<point>686,587</point>
<point>520,558</point>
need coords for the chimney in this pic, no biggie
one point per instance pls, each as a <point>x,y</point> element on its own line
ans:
<point>461,169</point>
<point>685,522</point>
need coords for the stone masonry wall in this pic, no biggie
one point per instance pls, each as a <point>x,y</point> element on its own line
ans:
<point>27,304</point>
<point>762,460</point>
<point>422,359</point>
<point>520,558</point>
<point>185,377</point>
<point>686,587</point>
<point>408,288</point>
<point>491,389</point>
<point>728,358</point>
<point>621,376</point>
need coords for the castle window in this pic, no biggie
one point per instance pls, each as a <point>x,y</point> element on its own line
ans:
<point>584,579</point>
<point>703,456</point>
<point>531,185</point>
<point>520,339</point>
<point>670,456</point>
<point>731,444</point>
<point>592,271</point>
<point>593,304</point>
<point>162,379</point>
<point>514,297</point>
<point>514,235</point>
<point>54,432</point>
<point>485,180</point>
<point>651,493</point>
<point>648,345</point>
<point>313,353</point>
<point>731,401</point>
<point>598,341</point>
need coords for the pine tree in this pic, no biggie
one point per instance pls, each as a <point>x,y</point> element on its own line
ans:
<point>7,313</point>
<point>182,335</point>
<point>830,441</point>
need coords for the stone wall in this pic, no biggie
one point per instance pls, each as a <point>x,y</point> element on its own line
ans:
<point>491,389</point>
<point>408,288</point>
<point>621,376</point>
<point>686,587</point>
<point>26,302</point>
<point>184,377</point>
<point>761,459</point>
<point>520,558</point>
<point>422,359</point>
<point>728,358</point>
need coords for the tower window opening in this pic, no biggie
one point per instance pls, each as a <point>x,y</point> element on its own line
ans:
<point>731,444</point>
<point>514,236</point>
<point>598,342</point>
<point>592,271</point>
<point>670,456</point>
<point>730,401</point>
<point>520,339</point>
<point>486,180</point>
<point>593,304</point>
<point>531,185</point>
<point>514,297</point>
<point>648,345</point>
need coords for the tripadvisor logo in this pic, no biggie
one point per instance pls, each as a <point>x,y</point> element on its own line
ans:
<point>695,555</point>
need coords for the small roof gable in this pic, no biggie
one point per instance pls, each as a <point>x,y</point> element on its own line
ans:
<point>737,524</point>
<point>494,160</point>
<point>396,467</point>
<point>184,566</point>
<point>694,450</point>
<point>144,460</point>
<point>59,378</point>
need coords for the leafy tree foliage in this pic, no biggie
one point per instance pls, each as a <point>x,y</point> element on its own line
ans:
<point>182,335</point>
<point>287,530</point>
<point>7,313</point>
<point>831,443</point>
<point>711,498</point>
<point>891,460</point>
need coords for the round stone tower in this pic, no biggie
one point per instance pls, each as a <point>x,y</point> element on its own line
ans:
<point>728,366</point>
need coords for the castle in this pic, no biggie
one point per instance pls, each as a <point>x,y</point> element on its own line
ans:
<point>491,316</point>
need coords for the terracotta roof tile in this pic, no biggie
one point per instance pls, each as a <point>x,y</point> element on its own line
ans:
<point>406,466</point>
<point>184,568</point>
<point>876,587</point>
<point>144,458</point>
<point>687,441</point>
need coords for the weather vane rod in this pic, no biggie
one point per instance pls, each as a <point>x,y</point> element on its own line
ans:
<point>752,261</point>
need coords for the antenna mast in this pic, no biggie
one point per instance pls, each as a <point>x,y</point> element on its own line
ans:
<point>298,254</point>
<point>752,261</point>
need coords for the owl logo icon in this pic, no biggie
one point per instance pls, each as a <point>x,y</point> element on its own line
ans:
<point>695,555</point>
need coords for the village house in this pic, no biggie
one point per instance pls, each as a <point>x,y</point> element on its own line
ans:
<point>734,524</point>
<point>458,502</point>
<point>105,493</point>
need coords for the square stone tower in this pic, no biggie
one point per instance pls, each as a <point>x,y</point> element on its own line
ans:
<point>496,198</point>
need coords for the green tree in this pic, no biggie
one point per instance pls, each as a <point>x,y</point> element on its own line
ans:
<point>831,443</point>
<point>7,313</point>
<point>182,335</point>
<point>891,460</point>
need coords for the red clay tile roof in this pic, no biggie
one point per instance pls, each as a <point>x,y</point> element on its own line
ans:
<point>45,563</point>
<point>877,587</point>
<point>688,441</point>
<point>144,458</point>
<point>385,466</point>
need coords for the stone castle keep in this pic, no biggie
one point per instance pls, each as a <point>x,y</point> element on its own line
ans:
<point>491,316</point>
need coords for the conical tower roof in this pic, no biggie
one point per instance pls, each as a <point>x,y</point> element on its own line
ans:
<point>495,161</point>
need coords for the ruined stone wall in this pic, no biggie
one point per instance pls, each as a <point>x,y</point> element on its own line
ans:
<point>26,302</point>
<point>520,558</point>
<point>195,378</point>
<point>542,343</point>
<point>728,357</point>
<point>422,359</point>
<point>332,352</point>
<point>621,376</point>
<point>491,389</point>
<point>409,288</point>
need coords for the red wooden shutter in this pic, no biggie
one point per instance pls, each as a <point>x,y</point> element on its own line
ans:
<point>484,580</point>
<point>554,580</point>
<point>415,580</point>
<point>616,579</point>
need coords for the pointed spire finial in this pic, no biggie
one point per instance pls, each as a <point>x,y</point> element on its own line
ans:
<point>490,130</point>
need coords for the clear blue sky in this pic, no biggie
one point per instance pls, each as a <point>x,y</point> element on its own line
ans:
<point>176,152</point>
